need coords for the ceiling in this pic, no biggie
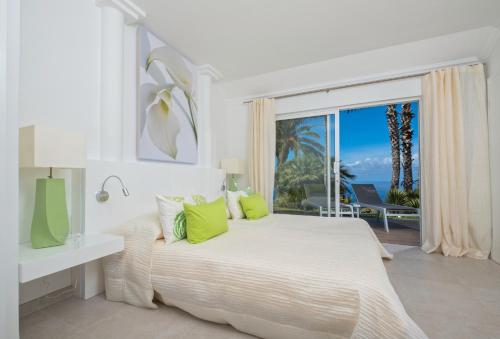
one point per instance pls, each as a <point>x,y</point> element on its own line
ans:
<point>248,37</point>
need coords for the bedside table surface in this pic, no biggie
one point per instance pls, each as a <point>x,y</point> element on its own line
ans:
<point>78,249</point>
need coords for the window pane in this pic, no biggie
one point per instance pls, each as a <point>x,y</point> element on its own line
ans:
<point>300,170</point>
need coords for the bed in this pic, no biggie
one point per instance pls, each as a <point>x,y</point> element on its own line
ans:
<point>282,276</point>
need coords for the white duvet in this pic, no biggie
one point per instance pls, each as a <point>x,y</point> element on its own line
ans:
<point>281,276</point>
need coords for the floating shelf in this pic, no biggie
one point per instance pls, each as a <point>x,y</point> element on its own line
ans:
<point>79,249</point>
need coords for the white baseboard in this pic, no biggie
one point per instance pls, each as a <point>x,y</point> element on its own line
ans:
<point>45,301</point>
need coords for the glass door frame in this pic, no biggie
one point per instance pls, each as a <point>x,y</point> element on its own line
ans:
<point>336,165</point>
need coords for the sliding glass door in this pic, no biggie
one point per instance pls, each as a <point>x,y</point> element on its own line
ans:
<point>379,145</point>
<point>306,180</point>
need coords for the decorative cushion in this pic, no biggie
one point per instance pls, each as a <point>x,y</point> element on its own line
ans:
<point>233,203</point>
<point>172,217</point>
<point>205,221</point>
<point>254,206</point>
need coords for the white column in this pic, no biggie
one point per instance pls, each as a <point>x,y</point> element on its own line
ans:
<point>206,74</point>
<point>114,15</point>
<point>129,122</point>
<point>112,22</point>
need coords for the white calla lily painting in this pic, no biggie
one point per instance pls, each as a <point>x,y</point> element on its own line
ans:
<point>168,127</point>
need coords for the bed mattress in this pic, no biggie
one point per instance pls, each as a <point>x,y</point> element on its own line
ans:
<point>286,276</point>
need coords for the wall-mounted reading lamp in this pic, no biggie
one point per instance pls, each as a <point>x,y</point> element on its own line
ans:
<point>103,196</point>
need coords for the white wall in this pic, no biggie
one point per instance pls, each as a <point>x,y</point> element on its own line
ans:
<point>59,87</point>
<point>231,135</point>
<point>60,53</point>
<point>493,70</point>
<point>9,79</point>
<point>219,125</point>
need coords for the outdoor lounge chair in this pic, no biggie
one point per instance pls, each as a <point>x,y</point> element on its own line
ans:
<point>367,196</point>
<point>316,197</point>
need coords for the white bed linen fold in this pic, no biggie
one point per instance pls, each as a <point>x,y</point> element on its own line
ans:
<point>127,274</point>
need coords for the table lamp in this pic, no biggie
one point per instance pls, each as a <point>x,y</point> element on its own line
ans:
<point>233,167</point>
<point>43,147</point>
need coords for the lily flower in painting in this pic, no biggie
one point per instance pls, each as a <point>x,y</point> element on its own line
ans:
<point>159,102</point>
<point>181,76</point>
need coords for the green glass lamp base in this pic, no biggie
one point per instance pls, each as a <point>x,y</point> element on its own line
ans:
<point>50,225</point>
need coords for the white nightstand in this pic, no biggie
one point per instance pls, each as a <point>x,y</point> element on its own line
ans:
<point>78,249</point>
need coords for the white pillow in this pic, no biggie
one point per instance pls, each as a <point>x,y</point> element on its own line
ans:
<point>233,203</point>
<point>172,217</point>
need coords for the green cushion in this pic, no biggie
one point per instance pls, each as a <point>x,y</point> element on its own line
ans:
<point>205,221</point>
<point>254,206</point>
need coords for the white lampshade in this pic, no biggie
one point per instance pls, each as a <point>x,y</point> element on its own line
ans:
<point>41,146</point>
<point>233,166</point>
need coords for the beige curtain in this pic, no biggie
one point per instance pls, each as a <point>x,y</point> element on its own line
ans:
<point>262,147</point>
<point>455,178</point>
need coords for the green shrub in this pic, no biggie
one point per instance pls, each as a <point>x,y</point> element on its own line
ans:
<point>396,197</point>
<point>413,194</point>
<point>413,202</point>
<point>404,198</point>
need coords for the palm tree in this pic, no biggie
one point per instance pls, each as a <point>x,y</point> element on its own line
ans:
<point>392,124</point>
<point>406,145</point>
<point>296,135</point>
<point>309,169</point>
<point>294,174</point>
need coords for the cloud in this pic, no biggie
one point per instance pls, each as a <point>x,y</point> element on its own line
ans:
<point>373,162</point>
<point>353,164</point>
<point>370,162</point>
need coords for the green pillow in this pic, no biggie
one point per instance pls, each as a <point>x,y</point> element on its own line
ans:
<point>254,206</point>
<point>205,221</point>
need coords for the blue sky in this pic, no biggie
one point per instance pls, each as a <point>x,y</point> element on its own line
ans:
<point>365,146</point>
<point>364,142</point>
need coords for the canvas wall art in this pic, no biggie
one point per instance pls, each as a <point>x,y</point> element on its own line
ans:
<point>167,110</point>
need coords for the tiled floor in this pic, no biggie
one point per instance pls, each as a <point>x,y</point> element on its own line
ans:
<point>447,297</point>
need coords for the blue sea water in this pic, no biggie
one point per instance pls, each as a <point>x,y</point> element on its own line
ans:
<point>382,188</point>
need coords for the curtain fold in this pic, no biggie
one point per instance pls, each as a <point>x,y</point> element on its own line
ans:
<point>262,147</point>
<point>455,177</point>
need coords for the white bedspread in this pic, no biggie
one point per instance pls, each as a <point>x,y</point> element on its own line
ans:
<point>279,277</point>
